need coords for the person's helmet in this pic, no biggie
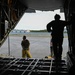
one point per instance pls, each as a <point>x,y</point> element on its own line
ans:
<point>57,17</point>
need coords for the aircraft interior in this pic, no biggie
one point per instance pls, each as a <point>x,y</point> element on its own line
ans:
<point>12,11</point>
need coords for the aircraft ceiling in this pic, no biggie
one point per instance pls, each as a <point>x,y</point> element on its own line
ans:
<point>44,5</point>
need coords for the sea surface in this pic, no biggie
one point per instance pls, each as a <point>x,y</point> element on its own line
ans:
<point>39,44</point>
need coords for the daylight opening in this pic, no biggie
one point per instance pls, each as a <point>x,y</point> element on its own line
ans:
<point>33,25</point>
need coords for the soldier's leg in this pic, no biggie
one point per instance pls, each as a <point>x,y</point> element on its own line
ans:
<point>28,54</point>
<point>23,54</point>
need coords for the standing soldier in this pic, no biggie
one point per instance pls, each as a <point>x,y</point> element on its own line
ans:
<point>25,48</point>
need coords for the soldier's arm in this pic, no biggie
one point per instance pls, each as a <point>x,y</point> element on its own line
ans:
<point>48,27</point>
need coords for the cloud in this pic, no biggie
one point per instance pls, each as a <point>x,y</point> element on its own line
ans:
<point>36,21</point>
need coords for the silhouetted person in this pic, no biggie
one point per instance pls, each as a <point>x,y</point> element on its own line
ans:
<point>25,48</point>
<point>57,27</point>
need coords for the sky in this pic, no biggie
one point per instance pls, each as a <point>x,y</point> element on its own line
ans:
<point>38,20</point>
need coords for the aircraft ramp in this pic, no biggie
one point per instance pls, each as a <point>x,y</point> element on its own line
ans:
<point>18,66</point>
